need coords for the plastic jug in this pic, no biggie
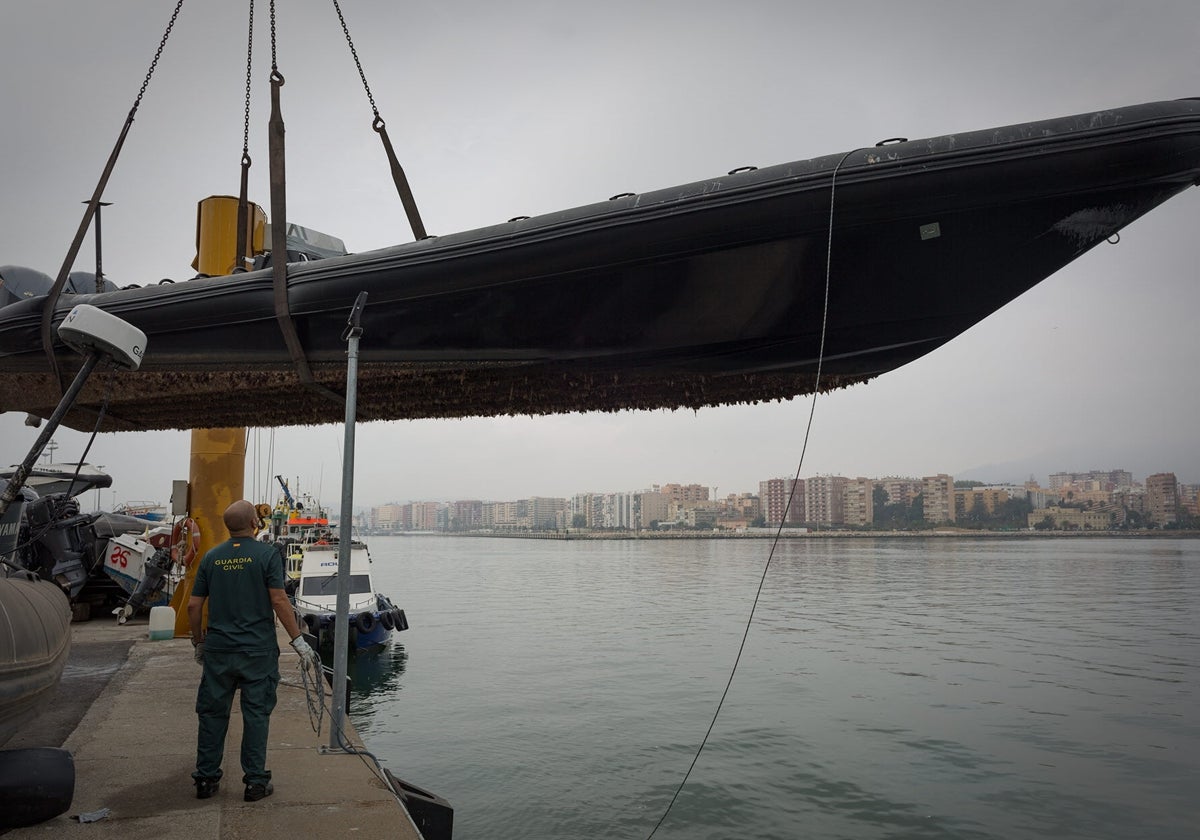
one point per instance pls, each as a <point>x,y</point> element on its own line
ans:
<point>162,623</point>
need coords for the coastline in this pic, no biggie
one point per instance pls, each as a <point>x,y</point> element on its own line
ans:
<point>769,534</point>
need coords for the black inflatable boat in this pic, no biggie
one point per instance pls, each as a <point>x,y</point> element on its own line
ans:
<point>706,293</point>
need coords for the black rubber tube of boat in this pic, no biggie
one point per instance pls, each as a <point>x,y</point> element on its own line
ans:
<point>36,784</point>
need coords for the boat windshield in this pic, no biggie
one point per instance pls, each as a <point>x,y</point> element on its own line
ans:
<point>359,585</point>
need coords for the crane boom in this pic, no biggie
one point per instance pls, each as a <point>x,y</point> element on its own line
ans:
<point>287,494</point>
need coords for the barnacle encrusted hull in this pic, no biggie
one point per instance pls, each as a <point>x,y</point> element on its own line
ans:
<point>704,294</point>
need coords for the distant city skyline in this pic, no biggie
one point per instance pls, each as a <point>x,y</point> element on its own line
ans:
<point>1089,500</point>
<point>1046,481</point>
<point>1093,366</point>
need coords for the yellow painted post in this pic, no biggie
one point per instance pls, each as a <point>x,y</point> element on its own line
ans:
<point>217,477</point>
<point>217,472</point>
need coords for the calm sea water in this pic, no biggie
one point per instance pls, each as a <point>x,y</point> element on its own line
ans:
<point>931,688</point>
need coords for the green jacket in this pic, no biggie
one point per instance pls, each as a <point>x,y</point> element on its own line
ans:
<point>235,577</point>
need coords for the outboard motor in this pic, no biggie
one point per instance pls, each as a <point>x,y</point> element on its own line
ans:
<point>154,578</point>
<point>60,542</point>
<point>13,532</point>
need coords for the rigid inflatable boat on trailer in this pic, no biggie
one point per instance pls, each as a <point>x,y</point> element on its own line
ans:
<point>703,294</point>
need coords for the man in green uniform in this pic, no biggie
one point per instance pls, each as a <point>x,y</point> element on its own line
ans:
<point>242,580</point>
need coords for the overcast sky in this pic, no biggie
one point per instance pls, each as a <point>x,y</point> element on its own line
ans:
<point>520,108</point>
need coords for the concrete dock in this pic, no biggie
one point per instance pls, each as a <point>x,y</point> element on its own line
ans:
<point>128,705</point>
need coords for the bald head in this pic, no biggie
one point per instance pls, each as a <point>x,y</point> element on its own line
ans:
<point>241,519</point>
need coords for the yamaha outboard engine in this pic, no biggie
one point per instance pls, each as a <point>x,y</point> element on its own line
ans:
<point>13,531</point>
<point>61,541</point>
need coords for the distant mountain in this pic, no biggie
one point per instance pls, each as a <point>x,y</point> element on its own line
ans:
<point>1137,457</point>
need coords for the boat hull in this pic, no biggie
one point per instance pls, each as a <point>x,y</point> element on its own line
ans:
<point>365,633</point>
<point>372,617</point>
<point>707,293</point>
<point>33,648</point>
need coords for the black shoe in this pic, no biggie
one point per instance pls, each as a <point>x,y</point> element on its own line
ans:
<point>207,787</point>
<point>257,792</point>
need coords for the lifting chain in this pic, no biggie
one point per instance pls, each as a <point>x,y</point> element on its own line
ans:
<point>380,127</point>
<point>157,55</point>
<point>243,212</point>
<point>274,64</point>
<point>92,206</point>
<point>353,52</point>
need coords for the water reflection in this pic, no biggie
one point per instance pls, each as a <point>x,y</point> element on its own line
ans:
<point>917,688</point>
<point>375,678</point>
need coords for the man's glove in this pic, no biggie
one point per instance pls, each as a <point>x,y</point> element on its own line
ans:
<point>308,656</point>
<point>198,653</point>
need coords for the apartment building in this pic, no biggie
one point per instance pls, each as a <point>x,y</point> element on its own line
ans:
<point>544,513</point>
<point>825,500</point>
<point>900,490</point>
<point>967,499</point>
<point>859,502</point>
<point>1099,519</point>
<point>683,493</point>
<point>388,517</point>
<point>1107,479</point>
<point>652,507</point>
<point>1162,499</point>
<point>938,493</point>
<point>773,497</point>
<point>505,515</point>
<point>742,506</point>
<point>427,516</point>
<point>466,515</point>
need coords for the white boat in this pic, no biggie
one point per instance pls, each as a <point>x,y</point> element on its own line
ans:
<point>373,617</point>
<point>151,511</point>
<point>310,549</point>
<point>149,567</point>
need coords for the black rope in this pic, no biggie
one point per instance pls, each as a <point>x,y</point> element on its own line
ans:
<point>783,518</point>
<point>95,429</point>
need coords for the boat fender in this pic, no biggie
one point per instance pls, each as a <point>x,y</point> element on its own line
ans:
<point>387,620</point>
<point>185,541</point>
<point>399,619</point>
<point>310,621</point>
<point>36,785</point>
<point>365,622</point>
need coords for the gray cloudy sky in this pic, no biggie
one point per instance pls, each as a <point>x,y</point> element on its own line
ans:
<point>526,107</point>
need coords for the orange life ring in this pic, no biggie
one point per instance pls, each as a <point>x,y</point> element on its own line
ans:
<point>322,542</point>
<point>185,541</point>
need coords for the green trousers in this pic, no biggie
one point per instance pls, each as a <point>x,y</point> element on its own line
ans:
<point>256,675</point>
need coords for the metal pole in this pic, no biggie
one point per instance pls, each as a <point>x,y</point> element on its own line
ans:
<point>64,405</point>
<point>341,621</point>
<point>99,240</point>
